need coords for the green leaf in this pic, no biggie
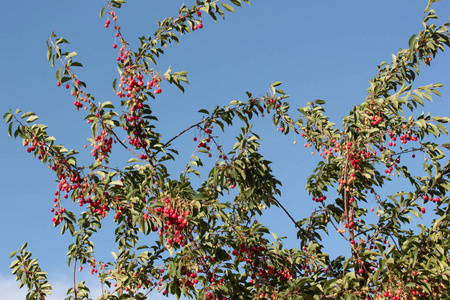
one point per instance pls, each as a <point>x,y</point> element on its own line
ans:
<point>114,84</point>
<point>134,160</point>
<point>24,246</point>
<point>7,117</point>
<point>412,43</point>
<point>14,262</point>
<point>10,129</point>
<point>71,54</point>
<point>421,123</point>
<point>236,2</point>
<point>201,196</point>
<point>116,182</point>
<point>167,74</point>
<point>49,53</point>
<point>12,254</point>
<point>32,119</point>
<point>107,104</point>
<point>101,12</point>
<point>58,74</point>
<point>228,7</point>
<point>27,114</point>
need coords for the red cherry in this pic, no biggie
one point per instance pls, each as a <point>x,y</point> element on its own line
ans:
<point>58,83</point>
<point>422,210</point>
<point>200,25</point>
<point>114,46</point>
<point>67,86</point>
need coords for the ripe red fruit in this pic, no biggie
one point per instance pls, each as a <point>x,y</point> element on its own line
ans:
<point>58,83</point>
<point>200,25</point>
<point>67,86</point>
<point>422,210</point>
<point>114,46</point>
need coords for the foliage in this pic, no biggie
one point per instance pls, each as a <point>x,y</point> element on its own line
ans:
<point>201,240</point>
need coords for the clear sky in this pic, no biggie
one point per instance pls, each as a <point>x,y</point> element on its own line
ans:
<point>318,49</point>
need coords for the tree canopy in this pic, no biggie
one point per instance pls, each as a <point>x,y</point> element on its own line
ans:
<point>197,234</point>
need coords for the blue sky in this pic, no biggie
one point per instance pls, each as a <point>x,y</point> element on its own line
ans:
<point>318,49</point>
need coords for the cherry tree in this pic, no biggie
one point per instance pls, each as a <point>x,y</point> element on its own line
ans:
<point>196,235</point>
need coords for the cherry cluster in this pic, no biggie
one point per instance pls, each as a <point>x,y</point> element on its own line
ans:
<point>174,216</point>
<point>205,143</point>
<point>196,26</point>
<point>132,84</point>
<point>68,181</point>
<point>190,277</point>
<point>101,145</point>
<point>319,199</point>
